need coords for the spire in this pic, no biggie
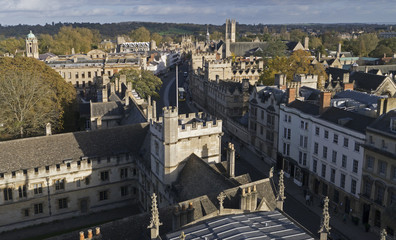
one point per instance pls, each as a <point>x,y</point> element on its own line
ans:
<point>325,223</point>
<point>281,194</point>
<point>154,222</point>
<point>221,198</point>
<point>207,35</point>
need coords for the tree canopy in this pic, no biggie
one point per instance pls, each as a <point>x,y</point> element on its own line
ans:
<point>144,82</point>
<point>298,63</point>
<point>32,95</point>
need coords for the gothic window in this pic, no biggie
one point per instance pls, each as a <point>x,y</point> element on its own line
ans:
<point>7,194</point>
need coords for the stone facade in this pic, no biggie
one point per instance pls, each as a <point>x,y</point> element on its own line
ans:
<point>175,137</point>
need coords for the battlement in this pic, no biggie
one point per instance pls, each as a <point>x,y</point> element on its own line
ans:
<point>203,54</point>
<point>170,111</point>
<point>197,125</point>
<point>305,78</point>
<point>293,84</point>
<point>219,62</point>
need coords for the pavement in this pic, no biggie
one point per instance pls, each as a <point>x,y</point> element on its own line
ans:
<point>341,228</point>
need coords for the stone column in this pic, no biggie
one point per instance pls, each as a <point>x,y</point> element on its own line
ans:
<point>281,194</point>
<point>221,198</point>
<point>325,223</point>
<point>231,160</point>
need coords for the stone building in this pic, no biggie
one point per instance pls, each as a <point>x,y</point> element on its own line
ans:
<point>264,119</point>
<point>378,193</point>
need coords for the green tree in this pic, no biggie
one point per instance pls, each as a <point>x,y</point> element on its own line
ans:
<point>216,36</point>
<point>296,35</point>
<point>10,45</point>
<point>45,42</point>
<point>380,50</point>
<point>140,35</point>
<point>367,42</point>
<point>157,38</point>
<point>315,42</point>
<point>144,82</point>
<point>81,39</point>
<point>32,95</point>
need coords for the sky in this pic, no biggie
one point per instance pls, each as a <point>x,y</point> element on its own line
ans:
<point>13,12</point>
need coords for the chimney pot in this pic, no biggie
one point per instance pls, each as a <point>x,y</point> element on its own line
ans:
<point>190,205</point>
<point>82,237</point>
<point>89,233</point>
<point>97,231</point>
<point>48,130</point>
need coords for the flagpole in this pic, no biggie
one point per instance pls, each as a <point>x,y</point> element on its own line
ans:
<point>177,86</point>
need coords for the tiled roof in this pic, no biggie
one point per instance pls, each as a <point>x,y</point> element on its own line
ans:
<point>49,150</point>
<point>383,123</point>
<point>366,81</point>
<point>305,107</point>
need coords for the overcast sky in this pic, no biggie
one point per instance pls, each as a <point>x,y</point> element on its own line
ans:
<point>14,12</point>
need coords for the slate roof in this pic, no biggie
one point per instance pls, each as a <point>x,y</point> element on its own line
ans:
<point>100,109</point>
<point>257,225</point>
<point>356,122</point>
<point>197,178</point>
<point>336,73</point>
<point>366,81</point>
<point>49,150</point>
<point>383,68</point>
<point>368,99</point>
<point>241,48</point>
<point>383,123</point>
<point>305,107</point>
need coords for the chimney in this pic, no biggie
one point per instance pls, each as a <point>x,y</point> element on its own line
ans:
<point>48,130</point>
<point>112,88</point>
<point>217,79</point>
<point>348,86</point>
<point>89,233</point>
<point>291,94</point>
<point>339,50</point>
<point>72,51</point>
<point>126,100</point>
<point>306,42</point>
<point>154,109</point>
<point>97,231</point>
<point>325,99</point>
<point>117,85</point>
<point>319,56</point>
<point>129,86</point>
<point>231,160</point>
<point>104,94</point>
<point>366,69</point>
<point>82,237</point>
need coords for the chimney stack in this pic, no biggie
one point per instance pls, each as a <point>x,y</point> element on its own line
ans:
<point>89,233</point>
<point>48,130</point>
<point>306,42</point>
<point>112,88</point>
<point>231,160</point>
<point>104,94</point>
<point>291,94</point>
<point>325,99</point>
<point>82,237</point>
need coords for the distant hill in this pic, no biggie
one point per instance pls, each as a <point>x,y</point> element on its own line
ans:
<point>111,30</point>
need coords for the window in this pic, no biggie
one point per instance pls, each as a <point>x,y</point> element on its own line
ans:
<point>60,184</point>
<point>316,148</point>
<point>353,186</point>
<point>156,148</point>
<point>286,149</point>
<point>104,176</point>
<point>124,191</point>
<point>381,167</point>
<point>379,196</point>
<point>38,208</point>
<point>305,159</point>
<point>314,165</point>
<point>37,188</point>
<point>87,180</point>
<point>324,152</point>
<point>355,166</point>
<point>393,173</point>
<point>346,141</point>
<point>383,144</point>
<point>334,157</point>
<point>13,174</point>
<point>47,168</point>
<point>335,138</point>
<point>68,165</point>
<point>57,167</point>
<point>1,175</point>
<point>332,175</point>
<point>371,141</point>
<point>62,203</point>
<point>78,183</point>
<point>289,119</point>
<point>261,130</point>
<point>342,182</point>
<point>317,131</point>
<point>326,134</point>
<point>7,194</point>
<point>323,171</point>
<point>336,196</point>
<point>393,124</point>
<point>22,191</point>
<point>369,162</point>
<point>262,114</point>
<point>36,170</point>
<point>123,173</point>
<point>103,195</point>
<point>302,125</point>
<point>357,147</point>
<point>367,188</point>
<point>26,212</point>
<point>285,118</point>
<point>344,161</point>
<point>156,167</point>
<point>306,125</point>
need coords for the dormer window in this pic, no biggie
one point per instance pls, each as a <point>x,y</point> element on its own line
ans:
<point>393,124</point>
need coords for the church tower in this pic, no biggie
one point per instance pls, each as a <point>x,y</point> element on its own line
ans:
<point>32,46</point>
